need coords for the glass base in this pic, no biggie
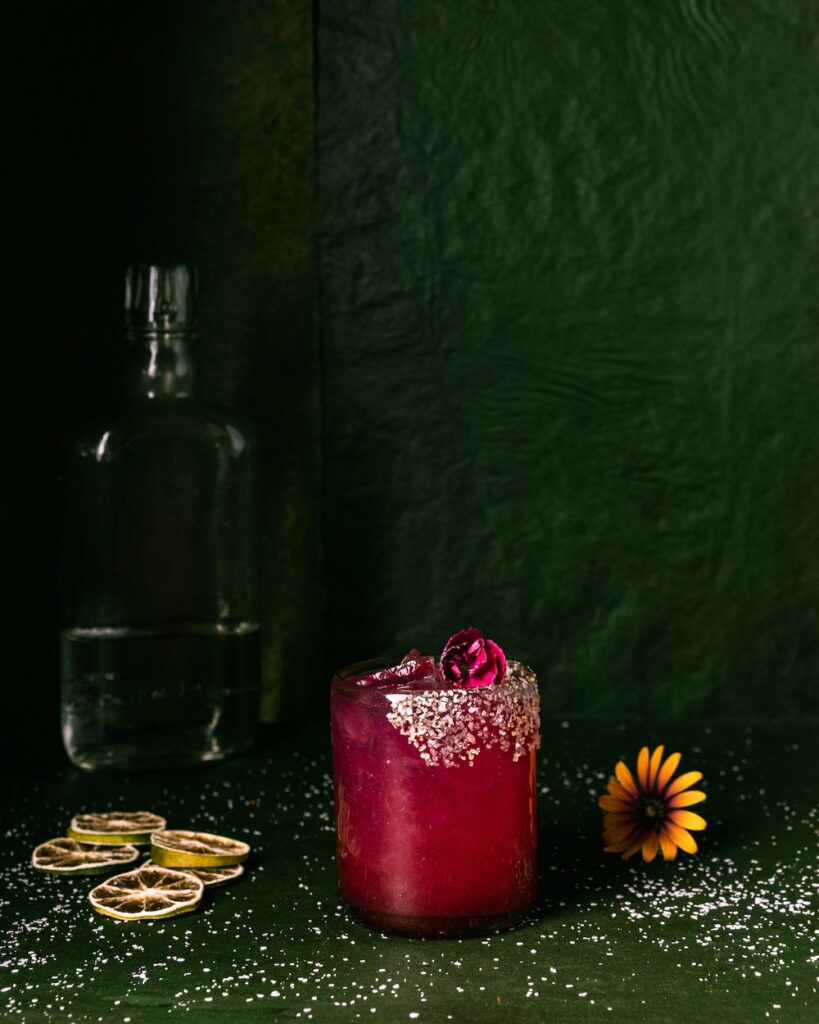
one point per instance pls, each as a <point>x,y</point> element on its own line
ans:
<point>438,927</point>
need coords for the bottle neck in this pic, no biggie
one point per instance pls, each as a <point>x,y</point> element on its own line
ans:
<point>160,365</point>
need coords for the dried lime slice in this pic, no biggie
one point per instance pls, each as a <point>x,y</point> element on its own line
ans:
<point>147,893</point>
<point>177,848</point>
<point>213,876</point>
<point>68,857</point>
<point>115,828</point>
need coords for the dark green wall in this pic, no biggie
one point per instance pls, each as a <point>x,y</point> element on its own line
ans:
<point>567,304</point>
<point>569,316</point>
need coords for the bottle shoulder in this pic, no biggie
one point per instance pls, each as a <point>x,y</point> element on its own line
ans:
<point>164,423</point>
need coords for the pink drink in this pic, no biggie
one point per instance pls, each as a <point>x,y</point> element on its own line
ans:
<point>435,798</point>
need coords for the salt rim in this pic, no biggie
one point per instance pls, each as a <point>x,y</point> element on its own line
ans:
<point>451,726</point>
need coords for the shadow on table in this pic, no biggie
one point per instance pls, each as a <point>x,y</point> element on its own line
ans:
<point>574,871</point>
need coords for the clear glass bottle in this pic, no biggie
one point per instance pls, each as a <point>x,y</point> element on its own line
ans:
<point>160,640</point>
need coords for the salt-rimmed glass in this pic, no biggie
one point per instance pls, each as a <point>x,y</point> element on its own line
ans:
<point>435,801</point>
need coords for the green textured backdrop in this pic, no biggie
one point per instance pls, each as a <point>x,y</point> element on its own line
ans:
<point>567,310</point>
<point>569,321</point>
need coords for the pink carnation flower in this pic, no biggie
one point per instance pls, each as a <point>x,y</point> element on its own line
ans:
<point>469,659</point>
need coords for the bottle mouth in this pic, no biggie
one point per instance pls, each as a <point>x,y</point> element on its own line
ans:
<point>160,298</point>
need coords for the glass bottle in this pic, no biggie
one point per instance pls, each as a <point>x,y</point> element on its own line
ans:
<point>160,639</point>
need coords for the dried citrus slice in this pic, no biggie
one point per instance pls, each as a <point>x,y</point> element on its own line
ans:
<point>114,828</point>
<point>147,893</point>
<point>177,848</point>
<point>213,876</point>
<point>68,857</point>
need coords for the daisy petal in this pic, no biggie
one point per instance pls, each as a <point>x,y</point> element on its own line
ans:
<point>610,803</point>
<point>689,820</point>
<point>617,817</point>
<point>668,768</point>
<point>615,789</point>
<point>617,845</point>
<point>618,822</point>
<point>683,839</point>
<point>625,778</point>
<point>616,835</point>
<point>619,838</point>
<point>668,847</point>
<point>632,850</point>
<point>690,796</point>
<point>619,835</point>
<point>650,847</point>
<point>642,768</point>
<point>625,835</point>
<point>654,766</point>
<point>621,828</point>
<point>682,782</point>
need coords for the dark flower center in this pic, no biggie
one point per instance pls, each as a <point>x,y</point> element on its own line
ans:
<point>653,810</point>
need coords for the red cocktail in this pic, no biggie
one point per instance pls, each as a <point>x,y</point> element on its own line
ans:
<point>435,797</point>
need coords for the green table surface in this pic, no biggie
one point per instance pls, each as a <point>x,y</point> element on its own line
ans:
<point>725,935</point>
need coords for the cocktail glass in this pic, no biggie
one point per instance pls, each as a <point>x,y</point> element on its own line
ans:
<point>435,798</point>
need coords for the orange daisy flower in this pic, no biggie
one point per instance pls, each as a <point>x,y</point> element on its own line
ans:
<point>648,813</point>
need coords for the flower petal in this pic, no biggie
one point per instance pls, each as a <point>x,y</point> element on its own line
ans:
<point>632,850</point>
<point>682,782</point>
<point>611,822</point>
<point>470,660</point>
<point>686,799</point>
<point>668,846</point>
<point>618,829</point>
<point>642,768</point>
<point>623,828</point>
<point>678,835</point>
<point>668,768</point>
<point>687,819</point>
<point>617,835</point>
<point>625,778</point>
<point>650,847</point>
<point>615,789</point>
<point>618,845</point>
<point>654,766</point>
<point>623,838</point>
<point>611,803</point>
